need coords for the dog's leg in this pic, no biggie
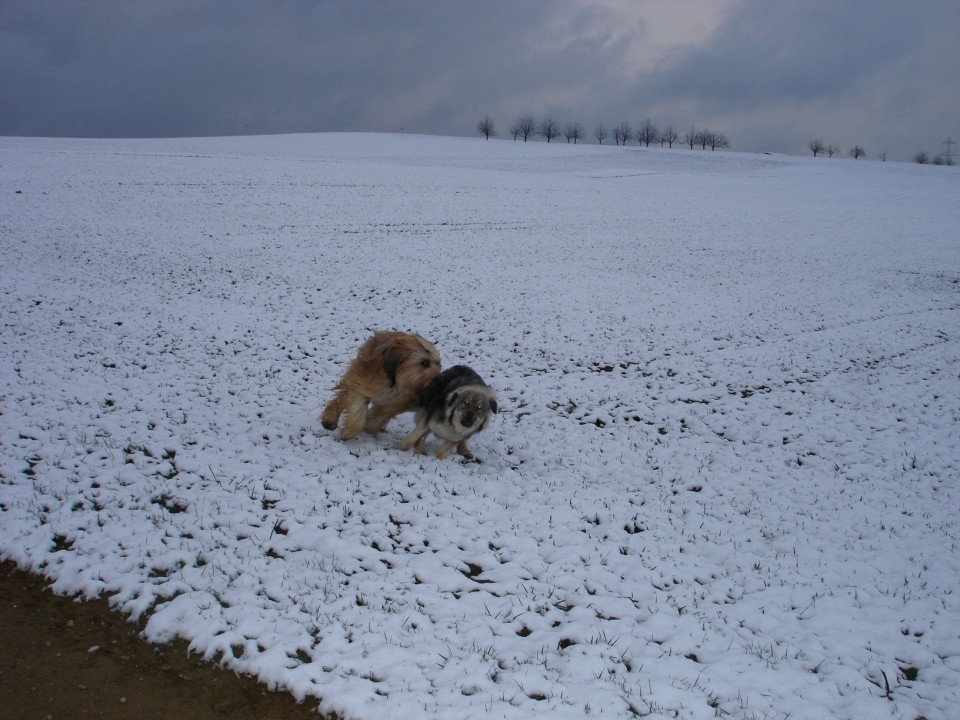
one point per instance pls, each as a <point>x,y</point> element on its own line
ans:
<point>377,418</point>
<point>445,450</point>
<point>464,450</point>
<point>416,438</point>
<point>356,408</point>
<point>332,412</point>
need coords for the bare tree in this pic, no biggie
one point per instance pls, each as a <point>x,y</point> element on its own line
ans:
<point>549,129</point>
<point>831,150</point>
<point>691,137</point>
<point>669,136</point>
<point>525,127</point>
<point>882,156</point>
<point>718,140</point>
<point>921,158</point>
<point>486,127</point>
<point>573,131</point>
<point>623,133</point>
<point>600,133</point>
<point>816,147</point>
<point>704,138</point>
<point>515,130</point>
<point>647,133</point>
<point>857,152</point>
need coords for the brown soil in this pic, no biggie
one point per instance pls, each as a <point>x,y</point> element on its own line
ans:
<point>67,659</point>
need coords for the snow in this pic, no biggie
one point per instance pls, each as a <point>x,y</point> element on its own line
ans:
<point>723,481</point>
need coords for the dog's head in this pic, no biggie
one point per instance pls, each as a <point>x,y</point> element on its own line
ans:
<point>410,361</point>
<point>469,408</point>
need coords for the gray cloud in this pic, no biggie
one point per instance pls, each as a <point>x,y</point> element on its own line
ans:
<point>851,70</point>
<point>769,52</point>
<point>769,75</point>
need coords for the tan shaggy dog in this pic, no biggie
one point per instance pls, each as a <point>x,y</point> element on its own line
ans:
<point>382,381</point>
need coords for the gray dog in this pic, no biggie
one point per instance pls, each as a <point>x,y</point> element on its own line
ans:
<point>453,407</point>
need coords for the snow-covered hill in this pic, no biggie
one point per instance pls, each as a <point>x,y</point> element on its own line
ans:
<point>723,481</point>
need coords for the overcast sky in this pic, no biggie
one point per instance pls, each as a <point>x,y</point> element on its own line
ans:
<point>769,74</point>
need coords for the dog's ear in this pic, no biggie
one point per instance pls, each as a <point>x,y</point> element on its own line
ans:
<point>392,360</point>
<point>453,399</point>
<point>493,406</point>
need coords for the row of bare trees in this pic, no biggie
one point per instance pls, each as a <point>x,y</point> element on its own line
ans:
<point>818,147</point>
<point>921,158</point>
<point>856,152</point>
<point>646,134</point>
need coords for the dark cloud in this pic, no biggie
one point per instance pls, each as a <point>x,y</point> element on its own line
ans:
<point>213,67</point>
<point>209,67</point>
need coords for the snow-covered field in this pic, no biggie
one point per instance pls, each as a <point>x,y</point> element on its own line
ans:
<point>724,481</point>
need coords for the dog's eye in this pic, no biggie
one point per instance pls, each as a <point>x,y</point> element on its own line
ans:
<point>426,363</point>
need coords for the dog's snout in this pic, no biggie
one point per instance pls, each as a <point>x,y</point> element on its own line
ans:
<point>467,419</point>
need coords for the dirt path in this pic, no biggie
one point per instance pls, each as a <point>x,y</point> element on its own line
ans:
<point>63,659</point>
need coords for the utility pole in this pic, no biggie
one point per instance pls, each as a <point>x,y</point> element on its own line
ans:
<point>948,154</point>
